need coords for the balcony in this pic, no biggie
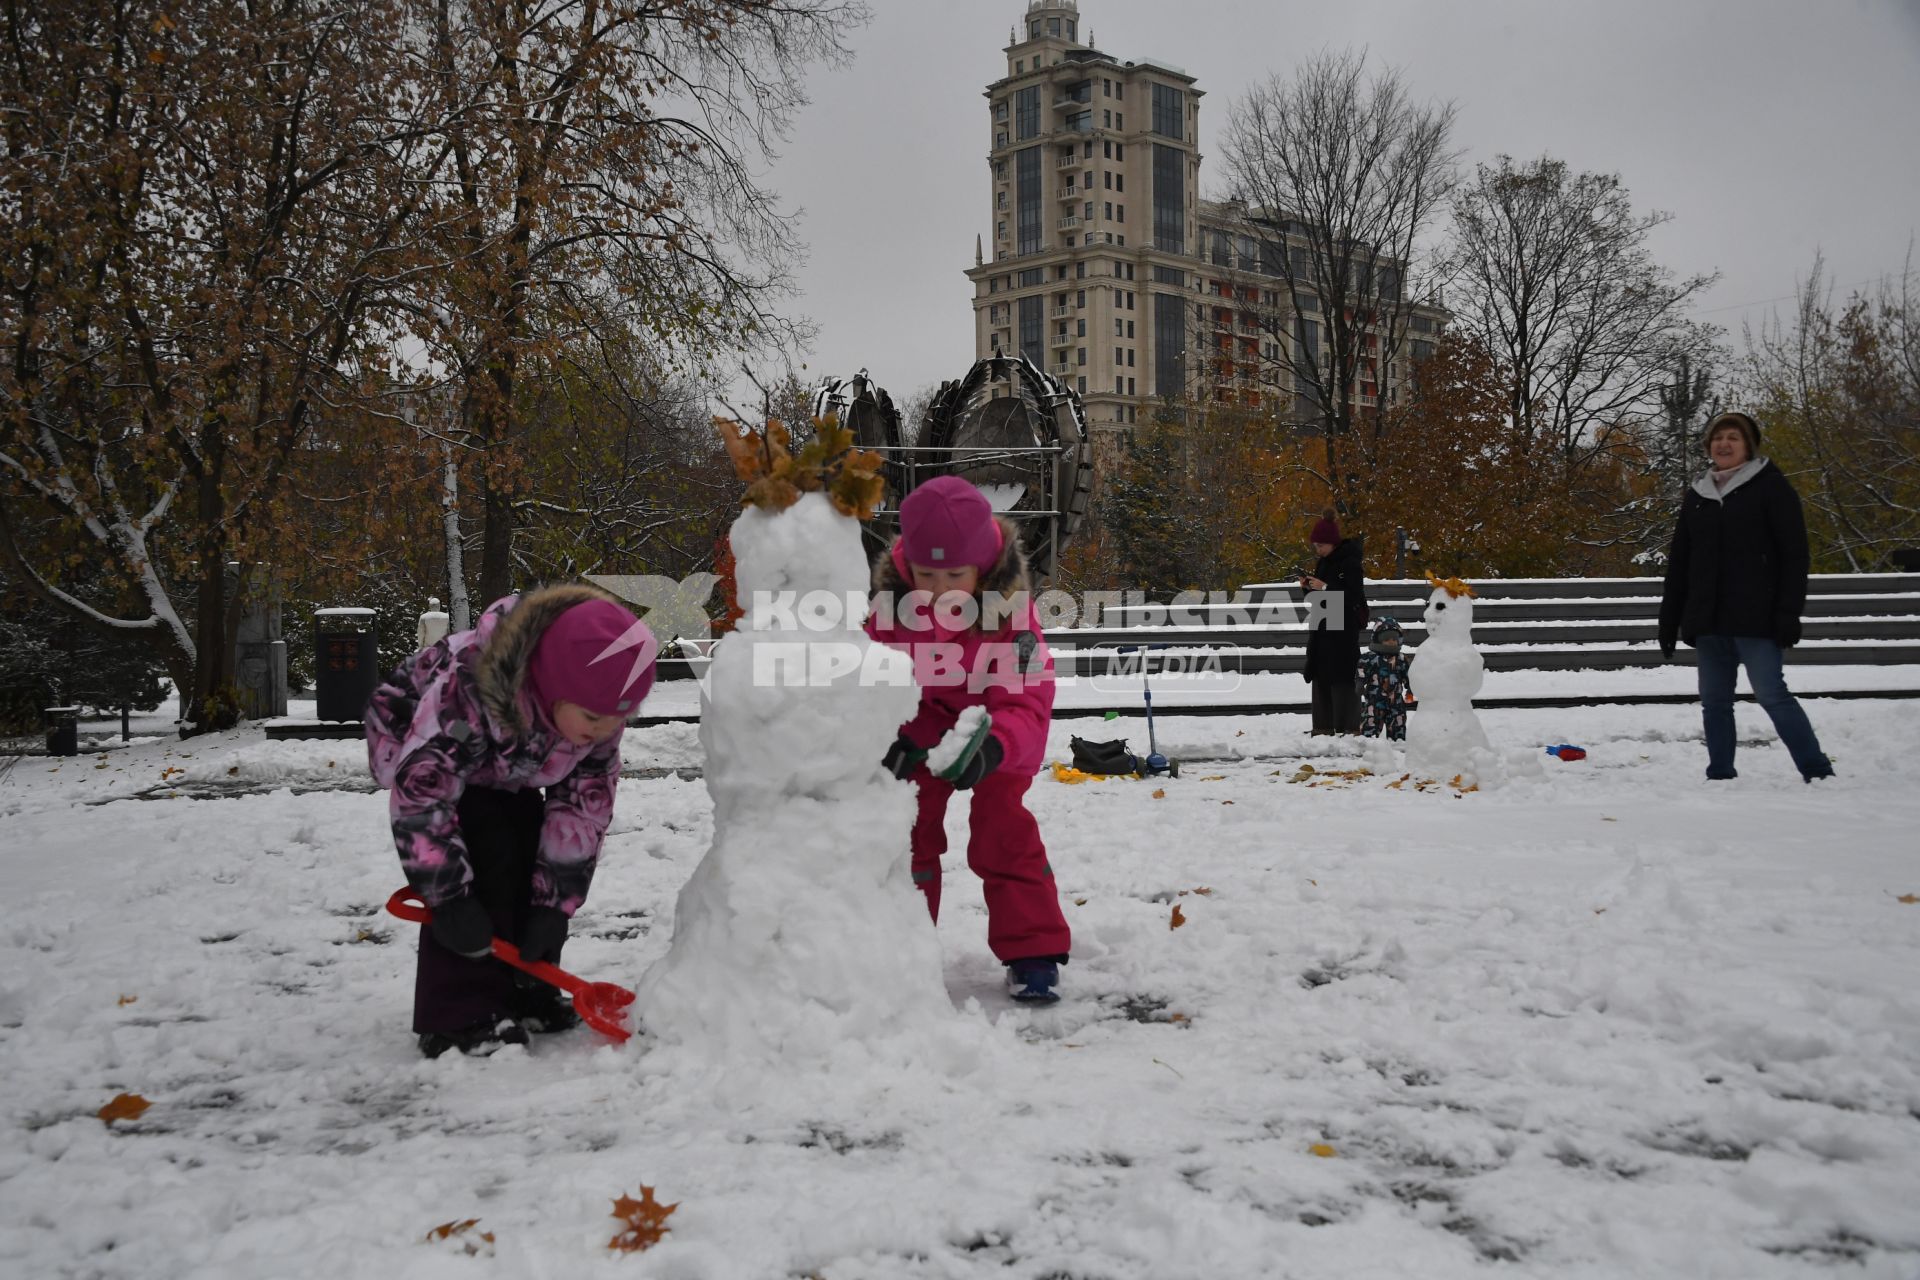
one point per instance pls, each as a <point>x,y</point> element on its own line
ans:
<point>1068,193</point>
<point>1068,162</point>
<point>1062,312</point>
<point>1062,370</point>
<point>1069,222</point>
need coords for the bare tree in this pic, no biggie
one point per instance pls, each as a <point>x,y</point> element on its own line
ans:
<point>1550,271</point>
<point>599,182</point>
<point>198,208</point>
<point>1838,388</point>
<point>1341,172</point>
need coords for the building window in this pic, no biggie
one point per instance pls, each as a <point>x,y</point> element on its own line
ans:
<point>1120,121</point>
<point>1031,309</point>
<point>1106,119</point>
<point>1001,232</point>
<point>1020,67</point>
<point>1080,296</point>
<point>1072,28</point>
<point>1080,273</point>
<point>1082,331</point>
<point>1108,144</point>
<point>1129,333</point>
<point>1129,357</point>
<point>1119,358</point>
<point>1106,88</point>
<point>1082,387</point>
<point>1089,212</point>
<point>1026,167</point>
<point>1053,26</point>
<point>1080,122</point>
<point>1130,390</point>
<point>1119,182</point>
<point>1026,113</point>
<point>1169,112</point>
<point>1109,210</point>
<point>1170,275</point>
<point>1120,91</point>
<point>1000,200</point>
<point>1088,153</point>
<point>1119,386</point>
<point>1123,214</point>
<point>1109,179</point>
<point>1083,357</point>
<point>1169,199</point>
<point>1169,345</point>
<point>1119,151</point>
<point>1031,276</point>
<point>1000,139</point>
<point>1119,327</point>
<point>1000,170</point>
<point>1000,109</point>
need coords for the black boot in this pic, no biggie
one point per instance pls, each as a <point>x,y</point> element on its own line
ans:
<point>541,1008</point>
<point>478,1040</point>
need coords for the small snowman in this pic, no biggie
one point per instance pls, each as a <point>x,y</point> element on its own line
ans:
<point>1444,737</point>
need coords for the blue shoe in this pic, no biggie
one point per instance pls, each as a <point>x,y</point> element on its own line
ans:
<point>1033,981</point>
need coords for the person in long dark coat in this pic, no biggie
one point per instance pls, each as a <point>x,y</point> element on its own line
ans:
<point>1736,584</point>
<point>1334,622</point>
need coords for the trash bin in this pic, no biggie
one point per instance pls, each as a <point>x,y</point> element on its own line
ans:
<point>346,665</point>
<point>63,731</point>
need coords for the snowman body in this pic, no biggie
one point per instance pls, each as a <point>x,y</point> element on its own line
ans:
<point>1444,736</point>
<point>800,933</point>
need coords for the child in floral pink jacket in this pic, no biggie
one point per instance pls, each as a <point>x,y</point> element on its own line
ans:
<point>954,592</point>
<point>502,748</point>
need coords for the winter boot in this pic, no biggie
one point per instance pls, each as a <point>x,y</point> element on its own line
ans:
<point>478,1040</point>
<point>541,1009</point>
<point>1033,981</point>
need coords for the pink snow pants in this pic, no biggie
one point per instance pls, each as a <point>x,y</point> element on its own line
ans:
<point>1004,849</point>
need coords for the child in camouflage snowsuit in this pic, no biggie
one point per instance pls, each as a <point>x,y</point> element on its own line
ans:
<point>502,749</point>
<point>1382,678</point>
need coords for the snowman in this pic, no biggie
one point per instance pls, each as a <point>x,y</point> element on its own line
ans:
<point>1444,737</point>
<point>800,936</point>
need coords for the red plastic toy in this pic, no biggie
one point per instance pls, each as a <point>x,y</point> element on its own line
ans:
<point>601,1005</point>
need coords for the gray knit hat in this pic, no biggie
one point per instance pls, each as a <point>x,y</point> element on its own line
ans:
<point>1748,424</point>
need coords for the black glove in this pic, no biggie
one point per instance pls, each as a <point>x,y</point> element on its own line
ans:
<point>541,936</point>
<point>1667,640</point>
<point>984,762</point>
<point>902,757</point>
<point>463,927</point>
<point>1786,632</point>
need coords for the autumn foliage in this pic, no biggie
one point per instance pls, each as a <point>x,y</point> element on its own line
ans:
<point>829,463</point>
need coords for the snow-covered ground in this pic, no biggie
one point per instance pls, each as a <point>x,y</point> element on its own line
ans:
<point>1612,1021</point>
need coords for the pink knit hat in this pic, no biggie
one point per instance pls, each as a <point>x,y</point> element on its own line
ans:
<point>947,523</point>
<point>597,655</point>
<point>1326,530</point>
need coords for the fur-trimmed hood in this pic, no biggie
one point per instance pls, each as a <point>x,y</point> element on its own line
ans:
<point>1008,574</point>
<point>509,631</point>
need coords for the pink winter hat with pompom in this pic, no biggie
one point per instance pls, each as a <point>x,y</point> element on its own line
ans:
<point>947,523</point>
<point>596,655</point>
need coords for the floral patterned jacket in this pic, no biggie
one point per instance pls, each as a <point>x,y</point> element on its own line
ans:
<point>455,715</point>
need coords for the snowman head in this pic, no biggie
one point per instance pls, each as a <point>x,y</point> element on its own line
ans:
<point>1449,612</point>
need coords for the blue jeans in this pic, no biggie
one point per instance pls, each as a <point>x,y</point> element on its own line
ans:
<point>1720,658</point>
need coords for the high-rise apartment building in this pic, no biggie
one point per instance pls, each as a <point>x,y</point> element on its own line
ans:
<point>1107,270</point>
<point>1094,166</point>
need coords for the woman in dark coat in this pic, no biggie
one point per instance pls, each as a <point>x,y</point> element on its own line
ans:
<point>1333,627</point>
<point>1736,582</point>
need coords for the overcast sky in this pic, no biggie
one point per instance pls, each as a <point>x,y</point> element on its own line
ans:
<point>1769,128</point>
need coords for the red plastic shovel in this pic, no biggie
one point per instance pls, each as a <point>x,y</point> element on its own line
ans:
<point>601,1005</point>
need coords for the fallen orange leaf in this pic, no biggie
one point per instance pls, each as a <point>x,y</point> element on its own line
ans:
<point>481,1244</point>
<point>127,1000</point>
<point>1179,917</point>
<point>1160,794</point>
<point>646,1220</point>
<point>125,1106</point>
<point>1322,1150</point>
<point>1908,898</point>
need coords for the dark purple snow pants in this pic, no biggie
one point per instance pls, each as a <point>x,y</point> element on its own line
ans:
<point>502,831</point>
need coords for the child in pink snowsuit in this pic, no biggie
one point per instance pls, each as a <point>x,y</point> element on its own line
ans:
<point>502,749</point>
<point>953,591</point>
